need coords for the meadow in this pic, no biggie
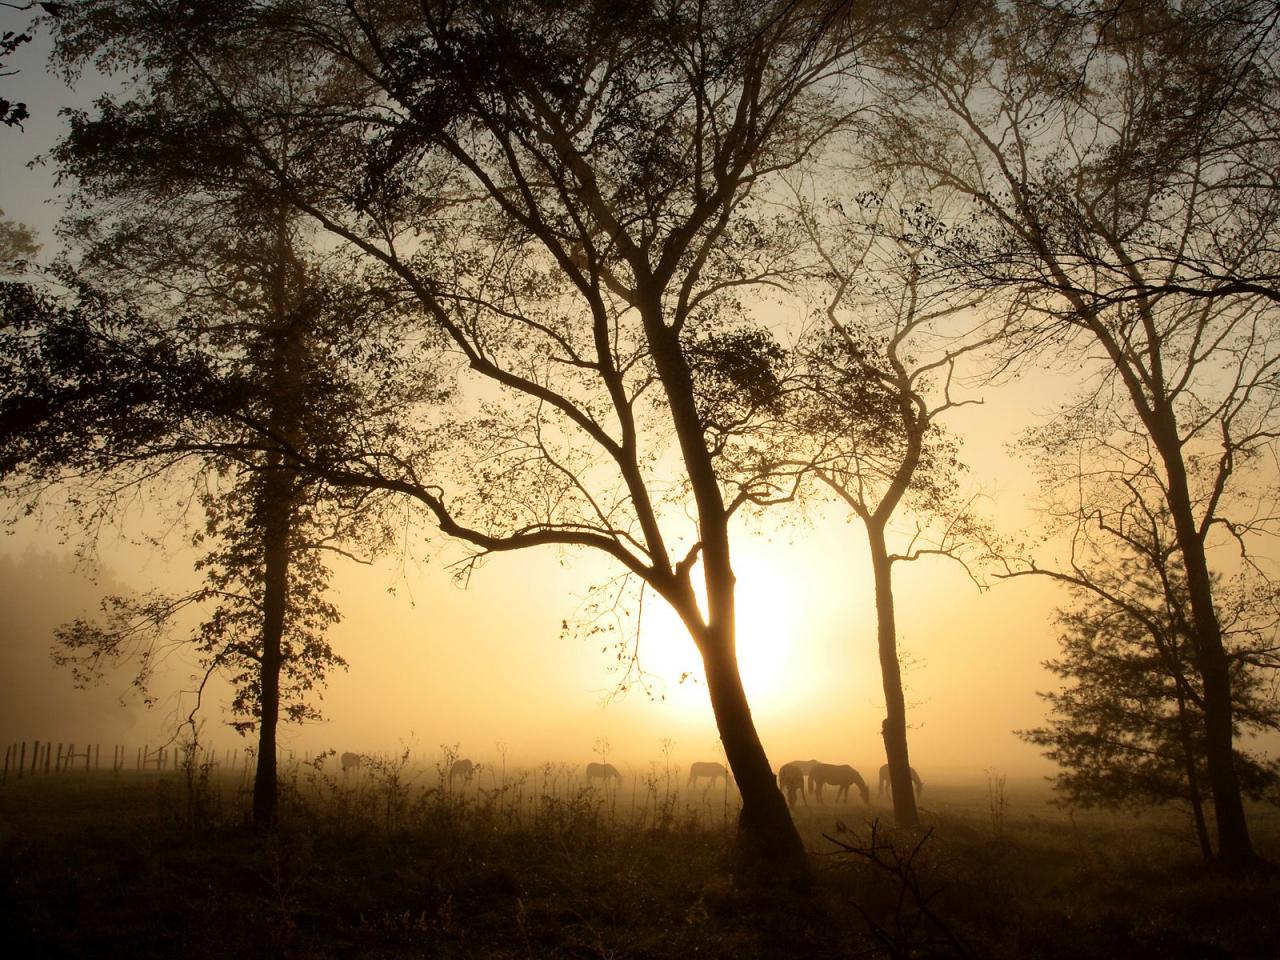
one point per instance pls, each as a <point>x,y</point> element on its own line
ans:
<point>393,861</point>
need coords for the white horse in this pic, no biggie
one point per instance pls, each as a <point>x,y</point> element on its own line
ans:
<point>709,770</point>
<point>603,772</point>
<point>351,761</point>
<point>887,785</point>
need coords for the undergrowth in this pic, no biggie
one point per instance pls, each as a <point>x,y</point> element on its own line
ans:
<point>397,862</point>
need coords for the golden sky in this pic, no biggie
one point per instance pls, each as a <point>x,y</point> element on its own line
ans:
<point>432,663</point>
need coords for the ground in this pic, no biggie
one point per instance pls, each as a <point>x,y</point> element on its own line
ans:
<point>390,863</point>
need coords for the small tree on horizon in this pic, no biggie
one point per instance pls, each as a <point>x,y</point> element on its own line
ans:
<point>1126,728</point>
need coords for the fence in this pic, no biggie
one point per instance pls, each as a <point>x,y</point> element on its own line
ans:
<point>45,757</point>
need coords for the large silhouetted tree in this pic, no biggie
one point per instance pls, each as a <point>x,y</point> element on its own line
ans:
<point>571,194</point>
<point>1120,161</point>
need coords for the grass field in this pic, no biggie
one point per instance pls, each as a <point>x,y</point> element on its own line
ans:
<point>390,862</point>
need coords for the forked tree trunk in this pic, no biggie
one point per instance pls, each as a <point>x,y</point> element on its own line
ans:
<point>894,729</point>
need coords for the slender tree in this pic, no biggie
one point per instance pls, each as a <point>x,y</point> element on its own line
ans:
<point>877,380</point>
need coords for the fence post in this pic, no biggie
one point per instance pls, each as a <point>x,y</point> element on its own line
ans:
<point>8,749</point>
<point>35,758</point>
<point>23,761</point>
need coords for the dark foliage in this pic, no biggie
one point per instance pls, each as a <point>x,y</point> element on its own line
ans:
<point>1128,729</point>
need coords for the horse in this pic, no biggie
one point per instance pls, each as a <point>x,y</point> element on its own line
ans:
<point>791,778</point>
<point>463,768</point>
<point>351,761</point>
<point>842,776</point>
<point>708,769</point>
<point>603,772</point>
<point>886,784</point>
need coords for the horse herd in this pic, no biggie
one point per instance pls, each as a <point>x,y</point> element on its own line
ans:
<point>792,776</point>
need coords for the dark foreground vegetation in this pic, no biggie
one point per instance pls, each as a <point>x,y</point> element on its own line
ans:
<point>390,864</point>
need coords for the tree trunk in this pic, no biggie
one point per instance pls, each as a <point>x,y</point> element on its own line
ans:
<point>766,832</point>
<point>276,508</point>
<point>275,518</point>
<point>1235,848</point>
<point>1193,780</point>
<point>768,836</point>
<point>894,729</point>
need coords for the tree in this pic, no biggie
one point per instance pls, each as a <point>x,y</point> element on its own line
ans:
<point>870,413</point>
<point>1127,727</point>
<point>17,245</point>
<point>258,367</point>
<point>569,194</point>
<point>1109,155</point>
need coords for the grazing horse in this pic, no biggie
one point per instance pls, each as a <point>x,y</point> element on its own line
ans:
<point>791,779</point>
<point>842,776</point>
<point>603,772</point>
<point>463,768</point>
<point>886,784</point>
<point>351,761</point>
<point>710,770</point>
<point>804,767</point>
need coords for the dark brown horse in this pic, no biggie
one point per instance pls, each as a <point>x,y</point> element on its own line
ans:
<point>709,769</point>
<point>603,772</point>
<point>842,776</point>
<point>791,780</point>
<point>463,768</point>
<point>887,786</point>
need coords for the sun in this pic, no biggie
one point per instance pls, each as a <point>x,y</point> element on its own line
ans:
<point>771,619</point>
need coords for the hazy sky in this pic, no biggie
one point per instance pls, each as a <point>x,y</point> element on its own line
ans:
<point>433,664</point>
